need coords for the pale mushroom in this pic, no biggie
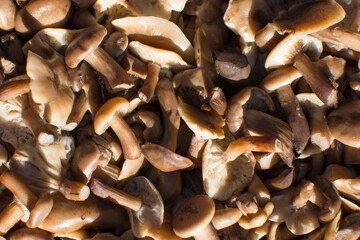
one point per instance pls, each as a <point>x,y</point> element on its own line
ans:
<point>148,30</point>
<point>158,8</point>
<point>28,234</point>
<point>110,115</point>
<point>192,218</point>
<point>225,217</point>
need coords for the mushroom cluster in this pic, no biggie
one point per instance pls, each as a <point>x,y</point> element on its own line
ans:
<point>179,119</point>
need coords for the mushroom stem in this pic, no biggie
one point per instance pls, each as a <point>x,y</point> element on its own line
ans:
<point>148,88</point>
<point>14,87</point>
<point>207,232</point>
<point>321,86</point>
<point>127,138</point>
<point>10,216</point>
<point>41,210</point>
<point>42,132</point>
<point>114,76</point>
<point>18,188</point>
<point>226,217</point>
<point>78,111</point>
<point>115,195</point>
<point>75,191</point>
<point>253,143</point>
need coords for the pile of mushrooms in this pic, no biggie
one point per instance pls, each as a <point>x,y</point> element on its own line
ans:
<point>179,119</point>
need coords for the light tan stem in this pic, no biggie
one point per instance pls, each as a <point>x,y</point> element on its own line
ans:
<point>115,195</point>
<point>127,138</point>
<point>74,191</point>
<point>19,189</point>
<point>10,216</point>
<point>41,210</point>
<point>148,88</point>
<point>207,233</point>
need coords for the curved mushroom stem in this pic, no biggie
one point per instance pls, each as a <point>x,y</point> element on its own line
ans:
<point>41,210</point>
<point>78,111</point>
<point>114,76</point>
<point>10,216</point>
<point>321,86</point>
<point>18,188</point>
<point>207,232</point>
<point>127,138</point>
<point>253,143</point>
<point>115,195</point>
<point>14,87</point>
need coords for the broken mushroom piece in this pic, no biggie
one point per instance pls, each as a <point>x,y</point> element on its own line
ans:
<point>225,217</point>
<point>192,218</point>
<point>85,46</point>
<point>164,159</point>
<point>110,115</point>
<point>10,215</point>
<point>343,123</point>
<point>299,50</point>
<point>349,227</point>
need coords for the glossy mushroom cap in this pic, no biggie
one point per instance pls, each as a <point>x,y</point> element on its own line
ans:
<point>193,215</point>
<point>7,15</point>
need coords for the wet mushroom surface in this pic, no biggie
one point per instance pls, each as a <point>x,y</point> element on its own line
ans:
<point>179,119</point>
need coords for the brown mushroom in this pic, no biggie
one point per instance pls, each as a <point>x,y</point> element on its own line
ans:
<point>110,115</point>
<point>37,14</point>
<point>86,46</point>
<point>7,13</point>
<point>28,234</point>
<point>192,218</point>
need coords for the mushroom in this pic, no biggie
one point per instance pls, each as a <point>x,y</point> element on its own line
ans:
<point>221,178</point>
<point>110,115</point>
<point>319,132</point>
<point>14,87</point>
<point>37,14</point>
<point>147,90</point>
<point>291,50</point>
<point>349,227</point>
<point>7,13</point>
<point>86,46</point>
<point>164,159</point>
<point>9,216</point>
<point>347,115</point>
<point>165,58</point>
<point>28,234</point>
<point>250,97</point>
<point>41,210</point>
<point>293,207</point>
<point>133,65</point>
<point>148,30</point>
<point>309,17</point>
<point>192,218</point>
<point>225,217</point>
<point>69,216</point>
<point>116,44</point>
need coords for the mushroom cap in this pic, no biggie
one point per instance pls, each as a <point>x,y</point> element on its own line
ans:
<point>84,44</point>
<point>207,125</point>
<point>309,17</point>
<point>165,58</point>
<point>150,216</point>
<point>344,123</point>
<point>156,32</point>
<point>7,15</point>
<point>193,215</point>
<point>159,8</point>
<point>103,117</point>
<point>289,47</point>
<point>221,178</point>
<point>38,14</point>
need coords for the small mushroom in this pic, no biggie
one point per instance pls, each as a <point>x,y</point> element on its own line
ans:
<point>110,115</point>
<point>14,87</point>
<point>29,234</point>
<point>9,216</point>
<point>225,217</point>
<point>192,218</point>
<point>86,46</point>
<point>40,211</point>
<point>349,227</point>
